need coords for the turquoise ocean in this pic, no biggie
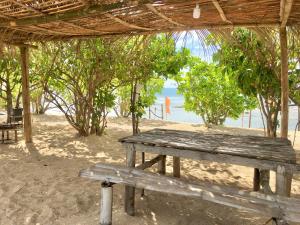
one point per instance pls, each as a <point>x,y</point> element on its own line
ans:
<point>178,114</point>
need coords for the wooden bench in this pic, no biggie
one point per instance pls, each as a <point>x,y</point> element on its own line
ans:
<point>6,128</point>
<point>282,208</point>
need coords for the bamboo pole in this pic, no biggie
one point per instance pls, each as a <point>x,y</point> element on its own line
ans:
<point>220,11</point>
<point>154,10</point>
<point>26,94</point>
<point>126,23</point>
<point>91,10</point>
<point>285,10</point>
<point>284,83</point>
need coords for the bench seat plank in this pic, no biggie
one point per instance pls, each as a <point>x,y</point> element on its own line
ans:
<point>267,205</point>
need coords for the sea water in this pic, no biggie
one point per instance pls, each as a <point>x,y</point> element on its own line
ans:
<point>179,114</point>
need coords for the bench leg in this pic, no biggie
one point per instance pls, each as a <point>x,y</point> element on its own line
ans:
<point>279,222</point>
<point>176,166</point>
<point>256,180</point>
<point>7,135</point>
<point>106,204</point>
<point>162,165</point>
<point>283,187</point>
<point>2,136</point>
<point>283,182</point>
<point>130,191</point>
<point>143,161</point>
<point>16,136</point>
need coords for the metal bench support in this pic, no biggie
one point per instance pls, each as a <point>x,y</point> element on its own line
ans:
<point>106,202</point>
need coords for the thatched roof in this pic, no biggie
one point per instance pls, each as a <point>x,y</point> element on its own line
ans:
<point>38,20</point>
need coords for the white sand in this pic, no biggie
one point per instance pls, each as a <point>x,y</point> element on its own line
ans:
<point>39,183</point>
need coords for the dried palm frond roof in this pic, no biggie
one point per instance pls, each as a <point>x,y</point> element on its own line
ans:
<point>39,20</point>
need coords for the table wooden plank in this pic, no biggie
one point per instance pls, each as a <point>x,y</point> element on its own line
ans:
<point>255,147</point>
<point>216,157</point>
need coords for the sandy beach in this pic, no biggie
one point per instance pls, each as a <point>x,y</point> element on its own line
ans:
<point>39,183</point>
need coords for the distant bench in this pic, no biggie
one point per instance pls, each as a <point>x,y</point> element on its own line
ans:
<point>282,208</point>
<point>6,128</point>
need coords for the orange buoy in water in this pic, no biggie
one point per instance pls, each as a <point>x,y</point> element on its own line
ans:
<point>168,103</point>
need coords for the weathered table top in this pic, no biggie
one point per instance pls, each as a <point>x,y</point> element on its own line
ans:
<point>254,147</point>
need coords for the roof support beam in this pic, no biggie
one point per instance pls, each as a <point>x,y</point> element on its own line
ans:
<point>25,45</point>
<point>25,6</point>
<point>284,83</point>
<point>285,10</point>
<point>82,28</point>
<point>43,13</point>
<point>126,23</point>
<point>69,15</point>
<point>51,32</point>
<point>3,16</point>
<point>154,10</point>
<point>220,10</point>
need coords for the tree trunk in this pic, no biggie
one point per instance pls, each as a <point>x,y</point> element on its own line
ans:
<point>134,98</point>
<point>9,101</point>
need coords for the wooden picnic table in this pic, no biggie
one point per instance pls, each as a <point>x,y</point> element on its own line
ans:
<point>260,153</point>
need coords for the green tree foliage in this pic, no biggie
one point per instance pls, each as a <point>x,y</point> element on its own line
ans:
<point>82,81</point>
<point>42,63</point>
<point>147,96</point>
<point>81,77</point>
<point>256,70</point>
<point>211,94</point>
<point>10,78</point>
<point>151,60</point>
<point>294,68</point>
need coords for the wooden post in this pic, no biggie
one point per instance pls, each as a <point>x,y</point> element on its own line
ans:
<point>162,165</point>
<point>106,204</point>
<point>130,191</point>
<point>283,182</point>
<point>250,118</point>
<point>162,111</point>
<point>25,94</point>
<point>298,118</point>
<point>16,135</point>
<point>143,161</point>
<point>256,180</point>
<point>149,113</point>
<point>284,83</point>
<point>176,166</point>
<point>2,136</point>
<point>243,119</point>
